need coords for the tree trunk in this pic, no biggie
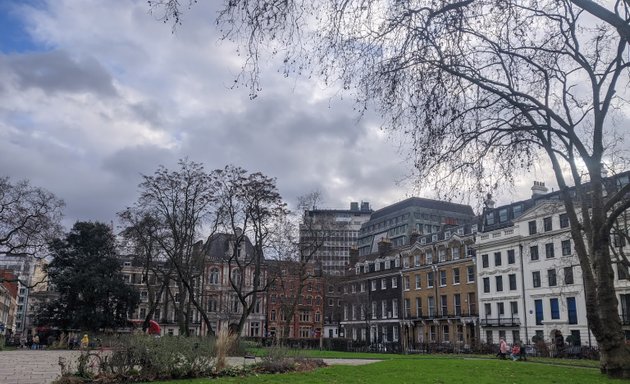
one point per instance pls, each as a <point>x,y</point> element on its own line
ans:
<point>614,353</point>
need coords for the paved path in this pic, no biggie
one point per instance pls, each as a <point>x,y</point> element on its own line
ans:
<point>42,367</point>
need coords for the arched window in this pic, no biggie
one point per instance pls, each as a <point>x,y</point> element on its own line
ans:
<point>236,277</point>
<point>214,276</point>
<point>213,304</point>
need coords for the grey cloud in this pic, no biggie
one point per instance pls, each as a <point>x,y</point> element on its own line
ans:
<point>56,71</point>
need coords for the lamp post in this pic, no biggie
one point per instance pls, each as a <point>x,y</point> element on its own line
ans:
<point>434,268</point>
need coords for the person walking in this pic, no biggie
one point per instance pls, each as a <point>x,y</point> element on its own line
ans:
<point>36,341</point>
<point>503,349</point>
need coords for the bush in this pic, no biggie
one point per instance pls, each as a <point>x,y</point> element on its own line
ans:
<point>142,357</point>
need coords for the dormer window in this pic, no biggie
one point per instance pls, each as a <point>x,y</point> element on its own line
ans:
<point>447,234</point>
<point>434,237</point>
<point>423,240</point>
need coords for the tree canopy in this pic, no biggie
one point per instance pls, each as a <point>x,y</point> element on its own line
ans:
<point>86,274</point>
<point>29,218</point>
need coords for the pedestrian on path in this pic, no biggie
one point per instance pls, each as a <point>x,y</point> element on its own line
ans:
<point>85,341</point>
<point>503,349</point>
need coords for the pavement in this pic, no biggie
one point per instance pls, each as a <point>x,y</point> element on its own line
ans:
<point>42,367</point>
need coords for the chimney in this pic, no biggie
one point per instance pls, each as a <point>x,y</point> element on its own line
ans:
<point>365,205</point>
<point>539,189</point>
<point>384,246</point>
<point>354,206</point>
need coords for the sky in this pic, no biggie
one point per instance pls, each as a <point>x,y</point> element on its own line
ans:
<point>96,93</point>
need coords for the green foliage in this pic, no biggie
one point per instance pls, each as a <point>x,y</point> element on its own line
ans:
<point>86,273</point>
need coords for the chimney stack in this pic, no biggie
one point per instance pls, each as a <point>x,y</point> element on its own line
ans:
<point>365,205</point>
<point>354,206</point>
<point>539,189</point>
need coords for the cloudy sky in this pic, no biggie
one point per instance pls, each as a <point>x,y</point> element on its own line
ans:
<point>94,93</point>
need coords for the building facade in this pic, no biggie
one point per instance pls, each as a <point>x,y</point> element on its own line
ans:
<point>371,301</point>
<point>295,301</point>
<point>440,291</point>
<point>338,230</point>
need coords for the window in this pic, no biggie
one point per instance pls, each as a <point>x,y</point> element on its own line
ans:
<point>497,259</point>
<point>499,281</point>
<point>417,260</point>
<point>547,224</point>
<point>395,333</point>
<point>568,275</point>
<point>418,307</point>
<point>395,308</point>
<point>503,215</point>
<point>512,281</point>
<point>484,261</point>
<point>213,304</point>
<point>489,337</point>
<point>455,253</point>
<point>555,308</point>
<point>457,303</point>
<point>214,276</point>
<point>490,218</point>
<point>236,277</point>
<point>430,280</point>
<point>383,283</point>
<point>501,309</point>
<point>374,310</point>
<point>418,282</point>
<point>532,227</point>
<point>488,309</point>
<point>551,276</point>
<point>442,255</point>
<point>431,301</point>
<point>564,220</point>
<point>549,253</point>
<point>455,275</point>
<point>471,273</point>
<point>566,247</point>
<point>622,272</point>
<point>444,305</point>
<point>486,284</point>
<point>442,278</point>
<point>406,282</point>
<point>572,310</point>
<point>362,286</point>
<point>510,256</point>
<point>539,311</point>
<point>533,252</point>
<point>517,210</point>
<point>429,257</point>
<point>383,309</point>
<point>536,279</point>
<point>373,283</point>
<point>514,307</point>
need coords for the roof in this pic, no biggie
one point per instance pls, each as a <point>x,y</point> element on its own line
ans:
<point>424,203</point>
<point>218,245</point>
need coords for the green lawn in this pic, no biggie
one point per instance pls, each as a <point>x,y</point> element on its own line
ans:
<point>389,356</point>
<point>433,370</point>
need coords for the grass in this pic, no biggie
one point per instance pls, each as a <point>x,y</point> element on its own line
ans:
<point>314,353</point>
<point>430,371</point>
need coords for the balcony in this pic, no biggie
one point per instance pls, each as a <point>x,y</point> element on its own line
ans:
<point>501,322</point>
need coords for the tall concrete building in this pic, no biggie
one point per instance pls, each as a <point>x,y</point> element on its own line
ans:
<point>398,221</point>
<point>338,230</point>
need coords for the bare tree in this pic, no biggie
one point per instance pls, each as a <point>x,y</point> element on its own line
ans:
<point>178,203</point>
<point>481,89</point>
<point>248,206</point>
<point>29,218</point>
<point>295,245</point>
